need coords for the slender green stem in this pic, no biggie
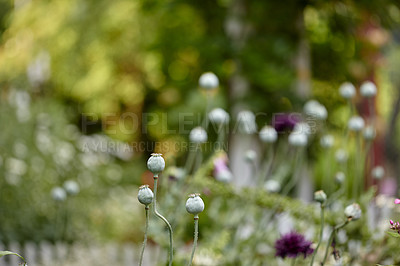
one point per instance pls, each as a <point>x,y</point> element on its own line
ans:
<point>331,238</point>
<point>190,160</point>
<point>221,137</point>
<point>196,236</point>
<point>199,158</point>
<point>320,234</point>
<point>357,168</point>
<point>296,172</point>
<point>145,235</point>
<point>171,248</point>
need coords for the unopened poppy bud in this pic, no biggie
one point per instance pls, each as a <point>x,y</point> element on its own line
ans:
<point>268,134</point>
<point>71,187</point>
<point>194,204</point>
<point>58,194</point>
<point>340,177</point>
<point>353,211</point>
<point>156,163</point>
<point>320,196</point>
<point>298,139</point>
<point>219,116</point>
<point>145,195</point>
<point>250,156</point>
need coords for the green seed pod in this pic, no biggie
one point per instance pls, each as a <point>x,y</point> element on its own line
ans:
<point>320,196</point>
<point>156,163</point>
<point>194,204</point>
<point>145,195</point>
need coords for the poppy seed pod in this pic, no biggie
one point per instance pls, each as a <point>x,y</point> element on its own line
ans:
<point>268,134</point>
<point>145,195</point>
<point>71,187</point>
<point>356,123</point>
<point>297,139</point>
<point>219,116</point>
<point>250,156</point>
<point>58,194</point>
<point>272,186</point>
<point>194,204</point>
<point>347,90</point>
<point>208,81</point>
<point>340,177</point>
<point>320,196</point>
<point>156,163</point>
<point>315,109</point>
<point>198,135</point>
<point>369,133</point>
<point>247,122</point>
<point>353,211</point>
<point>368,89</point>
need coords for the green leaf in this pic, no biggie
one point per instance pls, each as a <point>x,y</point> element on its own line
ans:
<point>4,253</point>
<point>393,234</point>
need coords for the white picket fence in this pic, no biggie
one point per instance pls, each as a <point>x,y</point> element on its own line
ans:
<point>46,254</point>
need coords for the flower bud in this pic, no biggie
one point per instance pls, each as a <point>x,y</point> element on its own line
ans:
<point>297,139</point>
<point>347,90</point>
<point>397,201</point>
<point>353,211</point>
<point>368,89</point>
<point>198,135</point>
<point>327,141</point>
<point>219,116</point>
<point>378,172</point>
<point>272,186</point>
<point>71,187</point>
<point>58,194</point>
<point>208,81</point>
<point>268,134</point>
<point>250,156</point>
<point>156,163</point>
<point>356,123</point>
<point>145,195</point>
<point>194,204</point>
<point>320,196</point>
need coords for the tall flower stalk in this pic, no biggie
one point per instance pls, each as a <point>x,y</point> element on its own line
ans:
<point>319,196</point>
<point>145,196</point>
<point>156,165</point>
<point>194,205</point>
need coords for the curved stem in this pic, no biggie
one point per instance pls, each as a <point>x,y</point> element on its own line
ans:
<point>171,249</point>
<point>357,169</point>
<point>145,235</point>
<point>331,238</point>
<point>196,236</point>
<point>293,180</point>
<point>320,234</point>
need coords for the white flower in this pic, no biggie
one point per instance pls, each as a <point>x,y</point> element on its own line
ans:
<point>272,186</point>
<point>353,211</point>
<point>356,123</point>
<point>378,172</point>
<point>156,163</point>
<point>219,116</point>
<point>327,141</point>
<point>71,187</point>
<point>297,139</point>
<point>58,194</point>
<point>198,135</point>
<point>194,204</point>
<point>302,128</point>
<point>247,122</point>
<point>341,156</point>
<point>347,90</point>
<point>315,109</point>
<point>368,89</point>
<point>208,81</point>
<point>268,134</point>
<point>369,133</point>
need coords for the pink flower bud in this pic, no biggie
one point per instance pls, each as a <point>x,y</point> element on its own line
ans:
<point>391,222</point>
<point>397,201</point>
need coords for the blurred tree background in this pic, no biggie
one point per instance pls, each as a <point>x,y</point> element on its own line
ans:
<point>73,69</point>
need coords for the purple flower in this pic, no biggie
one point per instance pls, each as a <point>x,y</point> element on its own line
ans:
<point>292,245</point>
<point>285,122</point>
<point>395,226</point>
